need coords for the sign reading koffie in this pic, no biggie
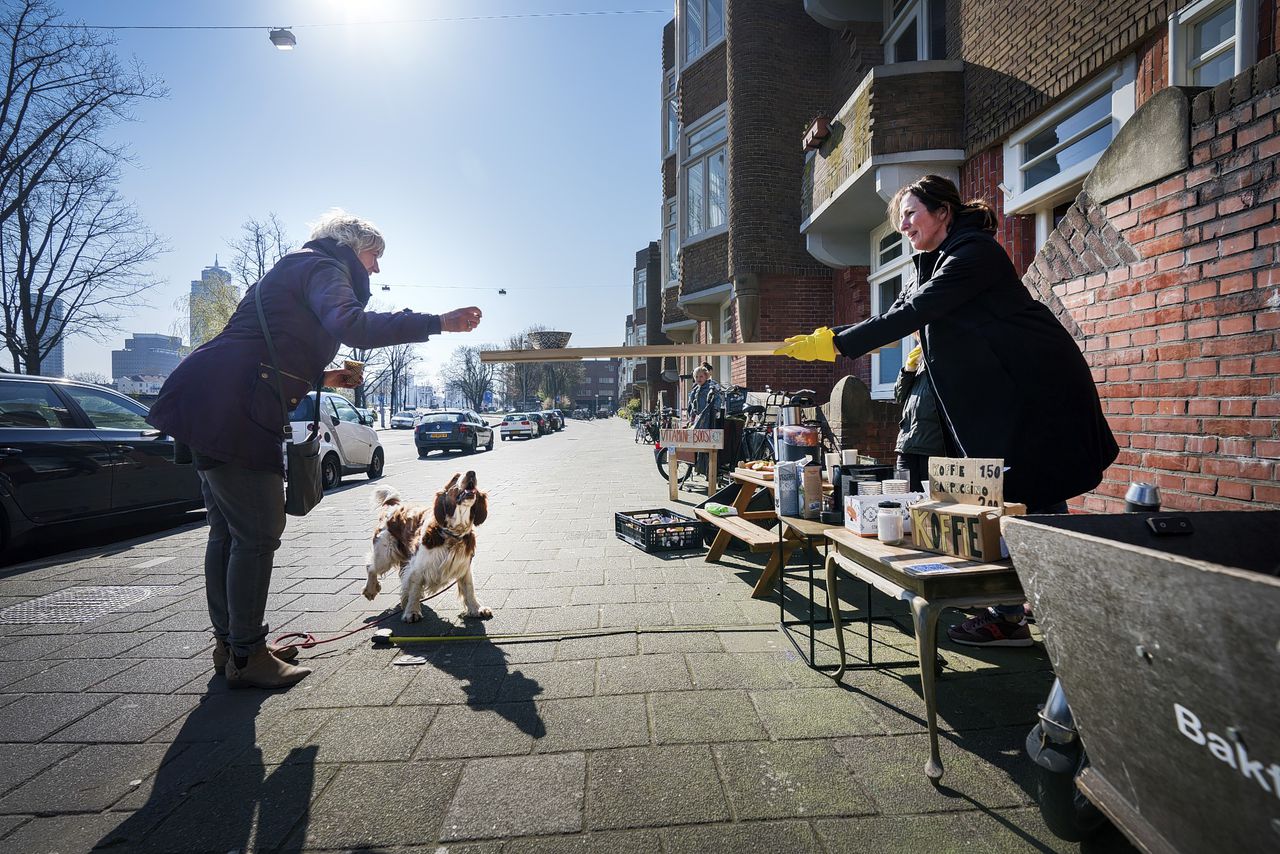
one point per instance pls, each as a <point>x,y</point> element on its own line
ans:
<point>962,517</point>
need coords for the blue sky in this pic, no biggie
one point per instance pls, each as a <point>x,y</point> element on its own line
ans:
<point>516,153</point>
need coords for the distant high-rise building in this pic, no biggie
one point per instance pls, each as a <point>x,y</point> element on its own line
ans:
<point>52,364</point>
<point>146,354</point>
<point>212,280</point>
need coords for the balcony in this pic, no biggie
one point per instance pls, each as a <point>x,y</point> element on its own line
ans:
<point>838,14</point>
<point>904,120</point>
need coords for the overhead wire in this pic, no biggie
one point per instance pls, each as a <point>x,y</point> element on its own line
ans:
<point>585,13</point>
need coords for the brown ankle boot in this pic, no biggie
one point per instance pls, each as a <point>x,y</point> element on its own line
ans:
<point>222,654</point>
<point>264,670</point>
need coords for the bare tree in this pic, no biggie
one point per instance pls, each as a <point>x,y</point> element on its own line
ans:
<point>398,373</point>
<point>262,242</point>
<point>560,380</point>
<point>71,256</point>
<point>469,376</point>
<point>94,377</point>
<point>62,86</point>
<point>376,363</point>
<point>71,248</point>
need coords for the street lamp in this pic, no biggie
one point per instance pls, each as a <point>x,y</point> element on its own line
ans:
<point>283,39</point>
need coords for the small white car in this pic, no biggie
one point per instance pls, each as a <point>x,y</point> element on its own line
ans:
<point>347,446</point>
<point>403,420</point>
<point>518,424</point>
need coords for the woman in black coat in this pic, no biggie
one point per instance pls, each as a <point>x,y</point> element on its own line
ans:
<point>1009,380</point>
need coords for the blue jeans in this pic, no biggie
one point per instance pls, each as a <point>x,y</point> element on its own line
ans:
<point>1020,610</point>
<point>246,518</point>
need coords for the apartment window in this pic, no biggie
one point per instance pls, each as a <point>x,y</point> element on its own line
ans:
<point>640,282</point>
<point>704,172</point>
<point>917,29</point>
<point>1211,41</point>
<point>670,244</point>
<point>703,23</point>
<point>670,114</point>
<point>1047,160</point>
<point>891,270</point>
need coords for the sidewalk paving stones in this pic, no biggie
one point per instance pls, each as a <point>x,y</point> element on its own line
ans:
<point>706,739</point>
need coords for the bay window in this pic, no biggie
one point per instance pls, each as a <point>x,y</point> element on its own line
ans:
<point>704,172</point>
<point>703,24</point>
<point>891,270</point>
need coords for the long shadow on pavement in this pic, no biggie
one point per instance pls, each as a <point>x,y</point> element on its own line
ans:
<point>216,791</point>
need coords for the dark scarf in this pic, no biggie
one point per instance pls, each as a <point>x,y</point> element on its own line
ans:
<point>347,256</point>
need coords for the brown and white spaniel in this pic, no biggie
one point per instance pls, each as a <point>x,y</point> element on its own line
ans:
<point>431,546</point>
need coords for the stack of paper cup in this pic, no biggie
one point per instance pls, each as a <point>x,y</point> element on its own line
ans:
<point>896,487</point>
<point>869,487</point>
<point>849,458</point>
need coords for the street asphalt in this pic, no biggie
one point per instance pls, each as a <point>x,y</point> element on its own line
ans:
<point>115,733</point>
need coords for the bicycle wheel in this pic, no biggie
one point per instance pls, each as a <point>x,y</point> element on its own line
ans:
<point>684,470</point>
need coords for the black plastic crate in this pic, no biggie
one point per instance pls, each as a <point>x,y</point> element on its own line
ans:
<point>658,530</point>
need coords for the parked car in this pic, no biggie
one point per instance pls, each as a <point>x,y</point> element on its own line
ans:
<point>452,429</point>
<point>544,426</point>
<point>403,420</point>
<point>74,452</point>
<point>557,421</point>
<point>518,424</point>
<point>347,446</point>
<point>564,421</point>
<point>368,417</point>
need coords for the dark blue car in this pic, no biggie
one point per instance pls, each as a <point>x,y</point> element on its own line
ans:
<point>452,430</point>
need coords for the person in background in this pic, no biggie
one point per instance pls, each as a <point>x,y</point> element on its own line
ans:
<point>1010,381</point>
<point>222,403</point>
<point>706,400</point>
<point>920,432</point>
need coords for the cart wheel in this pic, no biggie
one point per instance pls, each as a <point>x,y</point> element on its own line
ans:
<point>1065,809</point>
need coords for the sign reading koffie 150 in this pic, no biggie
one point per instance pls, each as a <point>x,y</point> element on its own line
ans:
<point>965,480</point>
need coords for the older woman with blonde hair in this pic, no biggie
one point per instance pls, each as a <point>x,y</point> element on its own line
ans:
<point>222,402</point>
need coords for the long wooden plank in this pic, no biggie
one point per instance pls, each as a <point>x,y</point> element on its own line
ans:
<point>573,354</point>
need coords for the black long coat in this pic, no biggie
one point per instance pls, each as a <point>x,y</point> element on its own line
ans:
<point>1009,379</point>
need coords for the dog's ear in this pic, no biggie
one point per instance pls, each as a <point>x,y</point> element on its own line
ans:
<point>441,509</point>
<point>453,481</point>
<point>480,510</point>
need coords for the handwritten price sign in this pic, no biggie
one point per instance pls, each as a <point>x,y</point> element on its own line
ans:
<point>977,482</point>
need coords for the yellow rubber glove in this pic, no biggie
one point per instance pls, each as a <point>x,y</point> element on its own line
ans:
<point>913,358</point>
<point>819,346</point>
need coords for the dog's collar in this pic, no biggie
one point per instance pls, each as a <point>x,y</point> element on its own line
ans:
<point>445,530</point>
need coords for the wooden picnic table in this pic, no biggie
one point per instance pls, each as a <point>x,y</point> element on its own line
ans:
<point>746,527</point>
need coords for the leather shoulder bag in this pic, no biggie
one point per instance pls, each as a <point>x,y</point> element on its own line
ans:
<point>304,481</point>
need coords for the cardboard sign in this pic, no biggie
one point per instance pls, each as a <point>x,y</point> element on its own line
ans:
<point>699,440</point>
<point>961,530</point>
<point>963,480</point>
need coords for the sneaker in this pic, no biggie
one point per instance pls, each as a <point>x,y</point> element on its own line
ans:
<point>222,654</point>
<point>264,670</point>
<point>991,629</point>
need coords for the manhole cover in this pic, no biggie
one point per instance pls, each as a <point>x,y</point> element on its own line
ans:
<point>77,605</point>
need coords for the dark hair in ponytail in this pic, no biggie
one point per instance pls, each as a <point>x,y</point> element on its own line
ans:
<point>935,192</point>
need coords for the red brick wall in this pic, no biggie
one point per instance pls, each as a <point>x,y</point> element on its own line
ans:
<point>1185,340</point>
<point>980,178</point>
<point>1153,67</point>
<point>790,306</point>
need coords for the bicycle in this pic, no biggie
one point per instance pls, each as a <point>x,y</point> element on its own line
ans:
<point>746,438</point>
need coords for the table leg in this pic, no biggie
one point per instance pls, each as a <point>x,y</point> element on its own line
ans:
<point>833,605</point>
<point>925,616</point>
<point>672,468</point>
<point>776,562</point>
<point>718,545</point>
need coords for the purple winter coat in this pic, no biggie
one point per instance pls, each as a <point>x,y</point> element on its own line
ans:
<point>222,400</point>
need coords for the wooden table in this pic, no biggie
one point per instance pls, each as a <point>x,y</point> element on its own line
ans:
<point>931,583</point>
<point>743,527</point>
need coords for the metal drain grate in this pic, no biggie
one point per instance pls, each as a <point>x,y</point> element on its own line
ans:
<point>77,605</point>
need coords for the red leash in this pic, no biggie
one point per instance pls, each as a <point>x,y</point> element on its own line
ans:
<point>307,640</point>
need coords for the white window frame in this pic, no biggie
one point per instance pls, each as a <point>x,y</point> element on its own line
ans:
<point>670,243</point>
<point>1120,80</point>
<point>669,144</point>
<point>719,114</point>
<point>914,10</point>
<point>639,285</point>
<point>880,272</point>
<point>1243,43</point>
<point>685,56</point>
